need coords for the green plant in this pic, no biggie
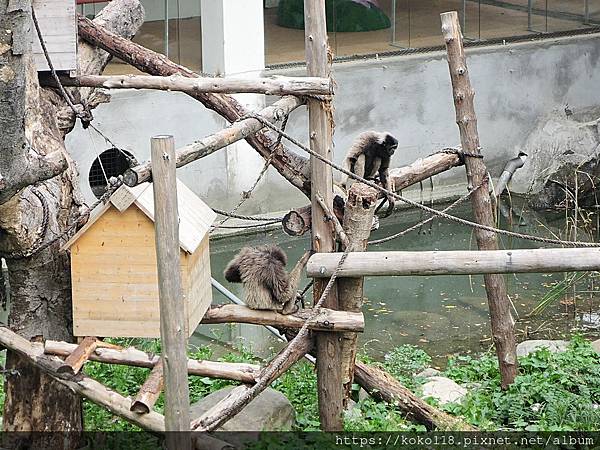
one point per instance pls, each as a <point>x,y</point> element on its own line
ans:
<point>404,361</point>
<point>553,392</point>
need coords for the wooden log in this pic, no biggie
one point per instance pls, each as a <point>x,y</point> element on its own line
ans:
<point>279,85</point>
<point>456,262</point>
<point>173,329</point>
<point>94,391</point>
<point>298,221</point>
<point>245,373</point>
<point>502,323</point>
<point>244,394</point>
<point>384,387</point>
<point>75,361</point>
<point>80,383</point>
<point>150,391</point>
<point>358,218</point>
<point>320,125</point>
<point>326,320</point>
<point>290,165</point>
<point>423,168</point>
<point>214,142</point>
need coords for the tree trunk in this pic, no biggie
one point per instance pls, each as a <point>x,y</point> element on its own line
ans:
<point>358,218</point>
<point>501,320</point>
<point>40,284</point>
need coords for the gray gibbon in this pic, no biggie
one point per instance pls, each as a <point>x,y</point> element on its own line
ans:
<point>262,272</point>
<point>369,158</point>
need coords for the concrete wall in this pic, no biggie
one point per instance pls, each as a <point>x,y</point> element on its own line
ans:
<point>517,86</point>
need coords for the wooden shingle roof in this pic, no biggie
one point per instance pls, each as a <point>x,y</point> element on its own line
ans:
<point>195,216</point>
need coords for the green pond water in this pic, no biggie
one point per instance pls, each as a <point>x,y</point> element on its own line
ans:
<point>442,314</point>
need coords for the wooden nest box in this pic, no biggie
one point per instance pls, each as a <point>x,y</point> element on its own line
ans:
<point>113,265</point>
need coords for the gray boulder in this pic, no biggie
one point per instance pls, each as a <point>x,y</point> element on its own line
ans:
<point>596,345</point>
<point>428,373</point>
<point>444,390</point>
<point>270,411</point>
<point>527,347</point>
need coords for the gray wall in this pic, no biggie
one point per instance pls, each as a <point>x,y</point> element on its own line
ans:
<point>517,86</point>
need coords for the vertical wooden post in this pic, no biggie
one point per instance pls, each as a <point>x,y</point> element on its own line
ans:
<point>329,377</point>
<point>172,319</point>
<point>502,322</point>
<point>358,220</point>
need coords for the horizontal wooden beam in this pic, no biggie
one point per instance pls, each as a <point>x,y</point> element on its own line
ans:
<point>204,147</point>
<point>270,86</point>
<point>245,373</point>
<point>423,168</point>
<point>455,262</point>
<point>326,320</point>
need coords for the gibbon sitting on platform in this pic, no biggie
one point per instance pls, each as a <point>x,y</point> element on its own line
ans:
<point>267,284</point>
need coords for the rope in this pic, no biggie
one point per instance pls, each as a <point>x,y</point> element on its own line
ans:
<point>37,247</point>
<point>429,219</point>
<point>255,225</point>
<point>243,217</point>
<point>416,204</point>
<point>85,116</point>
<point>271,369</point>
<point>246,194</point>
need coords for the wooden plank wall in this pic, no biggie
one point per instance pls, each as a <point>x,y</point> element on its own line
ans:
<point>59,28</point>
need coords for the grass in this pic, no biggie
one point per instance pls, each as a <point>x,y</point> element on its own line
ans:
<point>553,392</point>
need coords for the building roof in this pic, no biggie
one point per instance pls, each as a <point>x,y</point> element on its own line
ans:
<point>195,216</point>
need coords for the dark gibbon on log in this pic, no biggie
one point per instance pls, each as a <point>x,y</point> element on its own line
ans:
<point>369,158</point>
<point>267,284</point>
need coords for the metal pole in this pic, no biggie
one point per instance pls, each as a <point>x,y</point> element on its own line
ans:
<point>393,21</point>
<point>529,9</point>
<point>166,38</point>
<point>586,12</point>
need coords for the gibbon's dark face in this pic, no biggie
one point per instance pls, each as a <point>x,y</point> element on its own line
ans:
<point>390,144</point>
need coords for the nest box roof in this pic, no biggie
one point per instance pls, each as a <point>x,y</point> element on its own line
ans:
<point>195,216</point>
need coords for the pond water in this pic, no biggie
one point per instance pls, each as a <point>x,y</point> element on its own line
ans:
<point>442,314</point>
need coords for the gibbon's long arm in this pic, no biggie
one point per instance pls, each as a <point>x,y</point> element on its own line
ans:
<point>356,166</point>
<point>384,177</point>
<point>294,282</point>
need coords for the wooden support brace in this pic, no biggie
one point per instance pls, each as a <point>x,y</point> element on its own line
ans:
<point>326,320</point>
<point>243,372</point>
<point>242,395</point>
<point>150,391</point>
<point>94,391</point>
<point>271,86</point>
<point>75,361</point>
<point>206,146</point>
<point>382,386</point>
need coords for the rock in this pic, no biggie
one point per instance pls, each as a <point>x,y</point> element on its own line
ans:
<point>596,345</point>
<point>527,347</point>
<point>270,411</point>
<point>362,394</point>
<point>444,390</point>
<point>428,373</point>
